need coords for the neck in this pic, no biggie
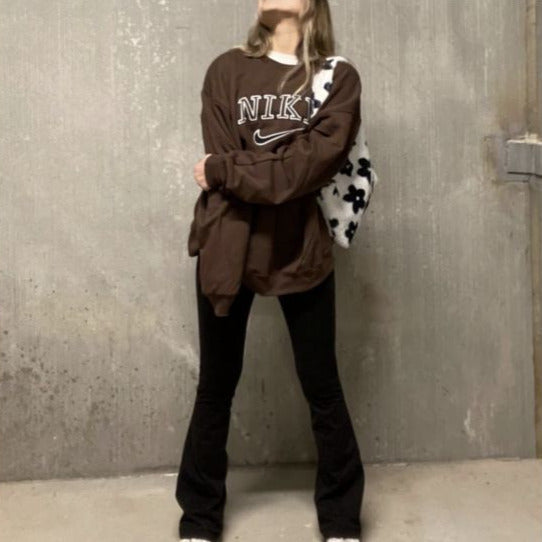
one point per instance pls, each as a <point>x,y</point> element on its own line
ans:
<point>285,37</point>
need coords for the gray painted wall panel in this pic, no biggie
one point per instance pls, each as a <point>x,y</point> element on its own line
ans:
<point>99,116</point>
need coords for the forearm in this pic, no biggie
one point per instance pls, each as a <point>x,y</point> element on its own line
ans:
<point>300,167</point>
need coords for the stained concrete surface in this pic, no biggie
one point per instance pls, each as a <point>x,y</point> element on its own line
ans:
<point>468,501</point>
<point>99,108</point>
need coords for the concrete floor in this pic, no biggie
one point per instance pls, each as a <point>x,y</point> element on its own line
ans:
<point>471,501</point>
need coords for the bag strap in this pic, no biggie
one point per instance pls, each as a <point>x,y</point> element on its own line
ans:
<point>321,81</point>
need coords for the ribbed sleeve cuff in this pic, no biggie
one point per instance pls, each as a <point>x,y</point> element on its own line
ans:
<point>215,170</point>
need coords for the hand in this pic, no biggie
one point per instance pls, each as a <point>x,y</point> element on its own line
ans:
<point>199,173</point>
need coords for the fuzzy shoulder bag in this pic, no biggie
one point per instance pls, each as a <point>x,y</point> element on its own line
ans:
<point>345,199</point>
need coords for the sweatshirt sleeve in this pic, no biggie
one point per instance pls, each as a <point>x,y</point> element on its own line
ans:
<point>215,117</point>
<point>306,161</point>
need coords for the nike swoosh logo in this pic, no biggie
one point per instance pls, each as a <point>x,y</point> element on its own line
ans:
<point>260,139</point>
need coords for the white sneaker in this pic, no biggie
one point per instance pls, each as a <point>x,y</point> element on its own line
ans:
<point>342,539</point>
<point>194,540</point>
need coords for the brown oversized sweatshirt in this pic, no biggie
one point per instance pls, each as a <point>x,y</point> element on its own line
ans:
<point>260,223</point>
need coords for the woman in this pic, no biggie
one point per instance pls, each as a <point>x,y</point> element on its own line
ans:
<point>257,228</point>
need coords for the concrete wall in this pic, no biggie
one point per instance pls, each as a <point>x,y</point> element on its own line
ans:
<point>99,120</point>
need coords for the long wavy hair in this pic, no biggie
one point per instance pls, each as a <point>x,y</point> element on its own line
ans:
<point>316,43</point>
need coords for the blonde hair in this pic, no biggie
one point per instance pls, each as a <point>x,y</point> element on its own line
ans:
<point>316,43</point>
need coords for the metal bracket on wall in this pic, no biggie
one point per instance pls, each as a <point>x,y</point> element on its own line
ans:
<point>519,158</point>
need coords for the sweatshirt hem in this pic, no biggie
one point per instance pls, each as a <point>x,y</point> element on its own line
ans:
<point>299,282</point>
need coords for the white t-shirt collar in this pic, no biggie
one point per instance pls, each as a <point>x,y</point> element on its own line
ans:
<point>283,58</point>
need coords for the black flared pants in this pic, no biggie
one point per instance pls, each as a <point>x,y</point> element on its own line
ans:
<point>201,482</point>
